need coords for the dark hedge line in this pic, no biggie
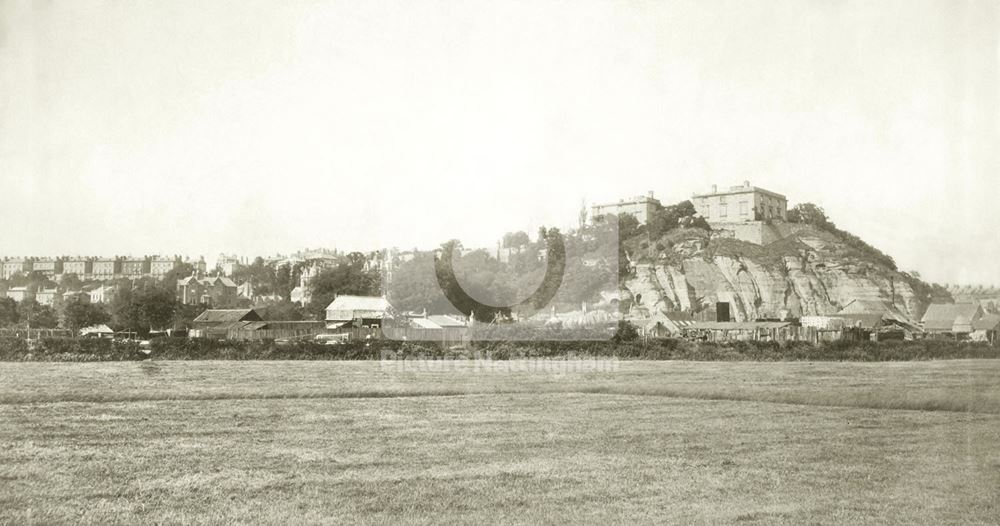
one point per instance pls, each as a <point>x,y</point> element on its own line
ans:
<point>669,349</point>
<point>81,350</point>
<point>67,350</point>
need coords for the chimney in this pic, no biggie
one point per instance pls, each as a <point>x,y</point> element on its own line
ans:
<point>746,184</point>
<point>650,193</point>
<point>715,188</point>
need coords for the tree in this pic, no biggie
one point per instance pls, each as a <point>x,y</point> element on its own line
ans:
<point>810,214</point>
<point>144,309</point>
<point>180,271</point>
<point>673,216</point>
<point>71,282</point>
<point>626,332</point>
<point>413,287</point>
<point>515,239</point>
<point>78,315</point>
<point>348,277</point>
<point>284,311</point>
<point>8,312</point>
<point>38,316</point>
<point>628,226</point>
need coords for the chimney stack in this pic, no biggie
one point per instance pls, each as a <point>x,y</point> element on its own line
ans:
<point>746,184</point>
<point>715,188</point>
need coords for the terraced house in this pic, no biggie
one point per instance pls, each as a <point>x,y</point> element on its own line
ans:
<point>12,267</point>
<point>82,267</point>
<point>105,269</point>
<point>47,266</point>
<point>135,267</point>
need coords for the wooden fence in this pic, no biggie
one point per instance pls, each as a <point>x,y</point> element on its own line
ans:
<point>791,333</point>
<point>447,336</point>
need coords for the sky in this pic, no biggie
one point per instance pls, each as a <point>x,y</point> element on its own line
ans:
<point>249,127</point>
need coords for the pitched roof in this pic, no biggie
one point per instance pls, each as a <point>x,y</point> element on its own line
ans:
<point>987,323</point>
<point>424,323</point>
<point>868,307</point>
<point>446,321</point>
<point>366,303</point>
<point>227,315</point>
<point>738,326</point>
<point>942,316</point>
<point>97,329</point>
<point>863,320</point>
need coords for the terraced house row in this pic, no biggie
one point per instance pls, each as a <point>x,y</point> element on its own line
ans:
<point>96,268</point>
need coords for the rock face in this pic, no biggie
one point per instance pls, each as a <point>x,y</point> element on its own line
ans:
<point>807,272</point>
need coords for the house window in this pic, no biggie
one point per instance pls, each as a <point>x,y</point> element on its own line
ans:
<point>708,210</point>
<point>723,210</point>
<point>744,209</point>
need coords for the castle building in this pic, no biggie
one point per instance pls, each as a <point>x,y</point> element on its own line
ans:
<point>640,207</point>
<point>741,204</point>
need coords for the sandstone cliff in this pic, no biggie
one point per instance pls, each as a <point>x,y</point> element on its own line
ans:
<point>806,272</point>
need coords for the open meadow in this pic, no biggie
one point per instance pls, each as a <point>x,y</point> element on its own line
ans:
<point>509,442</point>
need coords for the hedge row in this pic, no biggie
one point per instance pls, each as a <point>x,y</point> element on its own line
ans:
<point>84,350</point>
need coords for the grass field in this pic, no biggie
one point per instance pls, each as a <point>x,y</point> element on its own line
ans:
<point>652,442</point>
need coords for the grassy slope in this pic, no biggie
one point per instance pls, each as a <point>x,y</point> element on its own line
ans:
<point>179,441</point>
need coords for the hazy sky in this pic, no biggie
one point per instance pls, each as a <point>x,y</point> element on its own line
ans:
<point>199,127</point>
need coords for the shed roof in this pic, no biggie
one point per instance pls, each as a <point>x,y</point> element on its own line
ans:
<point>228,315</point>
<point>446,321</point>
<point>942,316</point>
<point>868,307</point>
<point>97,329</point>
<point>425,323</point>
<point>864,320</point>
<point>364,303</point>
<point>990,322</point>
<point>737,325</point>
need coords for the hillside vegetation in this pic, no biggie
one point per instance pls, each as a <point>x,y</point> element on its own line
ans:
<point>676,262</point>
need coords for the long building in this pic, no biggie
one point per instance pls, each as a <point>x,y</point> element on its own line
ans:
<point>740,204</point>
<point>97,268</point>
<point>640,207</point>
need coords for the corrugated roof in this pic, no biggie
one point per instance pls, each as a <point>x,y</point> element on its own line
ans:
<point>942,316</point>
